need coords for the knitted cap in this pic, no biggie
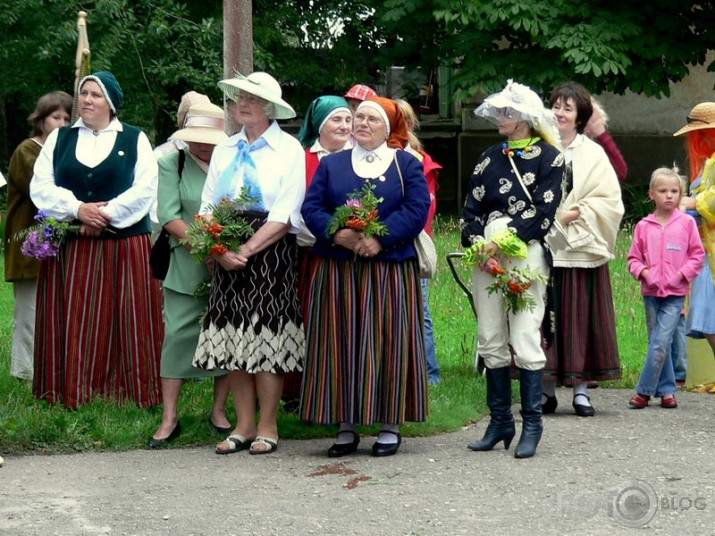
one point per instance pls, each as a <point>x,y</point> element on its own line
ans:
<point>109,86</point>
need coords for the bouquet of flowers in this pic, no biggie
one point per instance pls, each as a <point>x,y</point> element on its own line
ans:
<point>42,240</point>
<point>224,231</point>
<point>360,213</point>
<point>513,283</point>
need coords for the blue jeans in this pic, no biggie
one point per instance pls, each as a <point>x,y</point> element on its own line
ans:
<point>662,317</point>
<point>430,350</point>
<point>679,352</point>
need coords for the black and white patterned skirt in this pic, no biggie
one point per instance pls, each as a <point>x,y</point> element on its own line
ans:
<point>253,322</point>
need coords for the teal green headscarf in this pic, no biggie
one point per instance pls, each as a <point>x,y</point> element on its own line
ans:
<point>318,111</point>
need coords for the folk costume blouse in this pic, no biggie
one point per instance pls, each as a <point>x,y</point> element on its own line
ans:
<point>126,209</point>
<point>280,166</point>
<point>495,192</point>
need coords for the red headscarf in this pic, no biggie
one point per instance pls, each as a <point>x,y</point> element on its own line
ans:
<point>398,126</point>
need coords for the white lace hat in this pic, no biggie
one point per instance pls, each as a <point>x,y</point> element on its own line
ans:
<point>520,103</point>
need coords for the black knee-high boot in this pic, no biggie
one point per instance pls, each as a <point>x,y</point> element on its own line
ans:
<point>530,384</point>
<point>501,424</point>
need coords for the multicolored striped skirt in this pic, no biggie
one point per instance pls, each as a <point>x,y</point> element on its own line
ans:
<point>253,322</point>
<point>365,359</point>
<point>585,345</point>
<point>98,330</point>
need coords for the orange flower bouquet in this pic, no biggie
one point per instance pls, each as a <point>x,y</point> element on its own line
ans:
<point>360,213</point>
<point>224,230</point>
<point>513,283</point>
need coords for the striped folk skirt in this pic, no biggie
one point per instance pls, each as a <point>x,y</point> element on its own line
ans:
<point>98,329</point>
<point>253,323</point>
<point>365,358</point>
<point>585,345</point>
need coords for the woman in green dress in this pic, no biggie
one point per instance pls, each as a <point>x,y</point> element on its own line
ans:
<point>181,180</point>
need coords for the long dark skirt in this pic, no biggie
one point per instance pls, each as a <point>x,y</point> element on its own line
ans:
<point>365,359</point>
<point>585,344</point>
<point>98,328</point>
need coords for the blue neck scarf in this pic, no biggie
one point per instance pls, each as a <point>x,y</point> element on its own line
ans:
<point>242,167</point>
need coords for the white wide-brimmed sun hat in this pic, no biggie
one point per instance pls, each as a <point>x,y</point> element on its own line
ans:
<point>262,85</point>
<point>204,123</point>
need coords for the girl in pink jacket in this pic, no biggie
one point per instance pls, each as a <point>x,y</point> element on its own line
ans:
<point>665,256</point>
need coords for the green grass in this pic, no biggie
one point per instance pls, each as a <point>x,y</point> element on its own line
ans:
<point>29,425</point>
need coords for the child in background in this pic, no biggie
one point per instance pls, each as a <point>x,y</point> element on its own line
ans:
<point>665,256</point>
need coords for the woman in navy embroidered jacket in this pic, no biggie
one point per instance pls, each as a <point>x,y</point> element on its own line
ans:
<point>515,186</point>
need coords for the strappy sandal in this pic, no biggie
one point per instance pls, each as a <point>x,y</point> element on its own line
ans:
<point>270,444</point>
<point>236,443</point>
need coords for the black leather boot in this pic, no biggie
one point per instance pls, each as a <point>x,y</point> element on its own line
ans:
<point>501,424</point>
<point>530,384</point>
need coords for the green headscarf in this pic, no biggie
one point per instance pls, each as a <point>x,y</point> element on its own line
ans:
<point>318,112</point>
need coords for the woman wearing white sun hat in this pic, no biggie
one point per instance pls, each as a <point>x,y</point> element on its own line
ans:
<point>253,326</point>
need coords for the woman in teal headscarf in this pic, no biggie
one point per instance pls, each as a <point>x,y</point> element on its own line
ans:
<point>326,129</point>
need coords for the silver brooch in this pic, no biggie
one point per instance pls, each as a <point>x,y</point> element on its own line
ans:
<point>370,158</point>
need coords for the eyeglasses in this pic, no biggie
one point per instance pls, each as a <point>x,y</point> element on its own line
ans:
<point>371,120</point>
<point>248,97</point>
<point>508,113</point>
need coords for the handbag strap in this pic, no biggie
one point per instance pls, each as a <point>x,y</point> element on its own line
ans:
<point>399,172</point>
<point>521,181</point>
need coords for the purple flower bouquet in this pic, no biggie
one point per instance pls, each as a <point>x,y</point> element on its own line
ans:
<point>42,240</point>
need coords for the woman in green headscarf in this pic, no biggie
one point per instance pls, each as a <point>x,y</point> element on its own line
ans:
<point>326,129</point>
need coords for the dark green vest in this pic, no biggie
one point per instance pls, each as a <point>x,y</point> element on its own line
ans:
<point>111,177</point>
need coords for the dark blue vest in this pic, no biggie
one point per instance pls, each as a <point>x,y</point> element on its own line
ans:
<point>111,177</point>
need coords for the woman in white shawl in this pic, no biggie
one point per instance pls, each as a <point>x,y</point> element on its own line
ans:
<point>585,346</point>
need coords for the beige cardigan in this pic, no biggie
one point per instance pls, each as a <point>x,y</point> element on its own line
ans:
<point>596,192</point>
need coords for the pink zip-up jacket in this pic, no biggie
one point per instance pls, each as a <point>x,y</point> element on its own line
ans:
<point>672,252</point>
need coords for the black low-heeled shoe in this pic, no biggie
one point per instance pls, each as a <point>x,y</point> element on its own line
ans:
<point>386,449</point>
<point>338,450</point>
<point>221,429</point>
<point>550,405</point>
<point>159,443</point>
<point>581,409</point>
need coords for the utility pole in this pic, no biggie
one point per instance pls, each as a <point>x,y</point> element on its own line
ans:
<point>237,42</point>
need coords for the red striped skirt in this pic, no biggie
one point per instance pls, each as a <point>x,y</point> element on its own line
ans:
<point>99,328</point>
<point>365,360</point>
<point>585,345</point>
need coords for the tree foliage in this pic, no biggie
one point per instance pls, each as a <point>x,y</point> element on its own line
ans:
<point>607,46</point>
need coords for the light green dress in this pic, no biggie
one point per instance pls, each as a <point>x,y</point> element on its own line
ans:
<point>181,199</point>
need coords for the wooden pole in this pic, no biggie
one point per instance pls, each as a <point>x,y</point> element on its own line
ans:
<point>237,42</point>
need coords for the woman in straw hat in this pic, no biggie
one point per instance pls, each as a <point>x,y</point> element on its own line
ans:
<point>515,187</point>
<point>585,348</point>
<point>99,327</point>
<point>700,128</point>
<point>182,175</point>
<point>52,111</point>
<point>365,359</point>
<point>253,328</point>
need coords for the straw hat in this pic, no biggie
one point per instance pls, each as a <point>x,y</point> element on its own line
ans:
<point>262,85</point>
<point>187,101</point>
<point>204,124</point>
<point>700,117</point>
